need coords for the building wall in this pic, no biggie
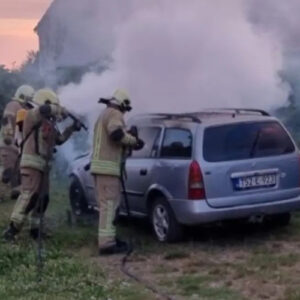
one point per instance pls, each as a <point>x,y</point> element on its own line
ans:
<point>75,33</point>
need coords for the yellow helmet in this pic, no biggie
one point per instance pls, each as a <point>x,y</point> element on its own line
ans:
<point>121,98</point>
<point>21,115</point>
<point>44,96</point>
<point>24,93</point>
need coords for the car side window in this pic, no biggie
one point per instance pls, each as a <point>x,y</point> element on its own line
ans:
<point>150,135</point>
<point>177,143</point>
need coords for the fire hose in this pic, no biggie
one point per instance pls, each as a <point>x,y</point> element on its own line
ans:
<point>69,114</point>
<point>41,203</point>
<point>125,259</point>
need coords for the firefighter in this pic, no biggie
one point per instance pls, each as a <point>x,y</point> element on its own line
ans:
<point>41,136</point>
<point>21,116</point>
<point>8,150</point>
<point>18,141</point>
<point>110,138</point>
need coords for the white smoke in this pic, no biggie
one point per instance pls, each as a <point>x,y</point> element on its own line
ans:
<point>178,56</point>
<point>278,18</point>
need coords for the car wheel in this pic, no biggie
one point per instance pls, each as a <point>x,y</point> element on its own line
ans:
<point>280,219</point>
<point>77,198</point>
<point>165,226</point>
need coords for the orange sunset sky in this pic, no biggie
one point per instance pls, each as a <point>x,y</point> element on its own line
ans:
<point>17,21</point>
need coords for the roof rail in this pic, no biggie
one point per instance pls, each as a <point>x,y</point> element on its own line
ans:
<point>232,111</point>
<point>245,110</point>
<point>167,116</point>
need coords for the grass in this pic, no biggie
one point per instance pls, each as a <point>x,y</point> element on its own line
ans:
<point>221,263</point>
<point>67,274</point>
<point>292,294</point>
<point>200,287</point>
<point>64,277</point>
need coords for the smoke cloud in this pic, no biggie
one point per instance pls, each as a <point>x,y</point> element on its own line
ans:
<point>278,18</point>
<point>178,56</point>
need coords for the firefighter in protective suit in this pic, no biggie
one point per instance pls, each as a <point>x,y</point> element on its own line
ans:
<point>18,140</point>
<point>21,116</point>
<point>8,149</point>
<point>41,136</point>
<point>110,138</point>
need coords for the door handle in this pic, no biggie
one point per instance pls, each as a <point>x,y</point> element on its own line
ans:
<point>143,172</point>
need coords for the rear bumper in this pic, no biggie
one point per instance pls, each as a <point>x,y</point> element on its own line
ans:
<point>191,212</point>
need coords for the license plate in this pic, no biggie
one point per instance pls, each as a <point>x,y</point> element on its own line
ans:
<point>256,181</point>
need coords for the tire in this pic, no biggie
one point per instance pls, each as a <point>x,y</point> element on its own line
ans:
<point>280,220</point>
<point>164,224</point>
<point>77,198</point>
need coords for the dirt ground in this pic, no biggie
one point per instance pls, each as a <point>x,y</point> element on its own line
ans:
<point>234,261</point>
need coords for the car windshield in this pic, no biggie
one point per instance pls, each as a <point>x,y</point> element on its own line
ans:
<point>246,140</point>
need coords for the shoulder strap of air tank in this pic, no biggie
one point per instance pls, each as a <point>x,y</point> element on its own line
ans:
<point>35,130</point>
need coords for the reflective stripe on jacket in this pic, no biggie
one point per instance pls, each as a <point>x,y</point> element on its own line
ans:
<point>9,123</point>
<point>107,154</point>
<point>39,145</point>
<point>33,161</point>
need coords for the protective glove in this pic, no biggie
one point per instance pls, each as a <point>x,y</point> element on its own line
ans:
<point>139,145</point>
<point>63,112</point>
<point>133,131</point>
<point>77,126</point>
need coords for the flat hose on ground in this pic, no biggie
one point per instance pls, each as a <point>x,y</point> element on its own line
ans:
<point>150,287</point>
<point>124,260</point>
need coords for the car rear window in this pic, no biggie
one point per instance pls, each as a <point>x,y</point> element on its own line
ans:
<point>246,140</point>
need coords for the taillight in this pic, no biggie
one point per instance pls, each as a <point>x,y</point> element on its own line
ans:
<point>196,189</point>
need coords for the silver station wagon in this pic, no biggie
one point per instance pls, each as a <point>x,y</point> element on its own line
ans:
<point>204,167</point>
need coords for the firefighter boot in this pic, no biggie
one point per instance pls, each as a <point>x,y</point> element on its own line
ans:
<point>118,247</point>
<point>10,233</point>
<point>15,193</point>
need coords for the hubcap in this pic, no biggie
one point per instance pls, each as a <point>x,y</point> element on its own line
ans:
<point>161,222</point>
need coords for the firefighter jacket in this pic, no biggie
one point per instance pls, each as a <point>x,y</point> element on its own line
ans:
<point>7,133</point>
<point>107,153</point>
<point>40,137</point>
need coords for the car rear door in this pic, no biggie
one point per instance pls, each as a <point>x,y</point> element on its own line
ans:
<point>172,169</point>
<point>248,163</point>
<point>139,168</point>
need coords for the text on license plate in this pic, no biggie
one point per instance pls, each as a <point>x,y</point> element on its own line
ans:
<point>257,181</point>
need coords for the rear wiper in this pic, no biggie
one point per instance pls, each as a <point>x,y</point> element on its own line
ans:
<point>255,142</point>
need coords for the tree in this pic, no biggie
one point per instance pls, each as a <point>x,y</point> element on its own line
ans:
<point>29,70</point>
<point>10,80</point>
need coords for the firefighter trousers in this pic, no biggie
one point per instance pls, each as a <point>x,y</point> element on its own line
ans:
<point>29,200</point>
<point>9,160</point>
<point>108,193</point>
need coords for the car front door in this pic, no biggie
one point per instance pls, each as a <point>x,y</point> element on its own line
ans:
<point>139,168</point>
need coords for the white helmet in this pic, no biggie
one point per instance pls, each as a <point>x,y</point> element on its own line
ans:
<point>119,98</point>
<point>24,93</point>
<point>45,95</point>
